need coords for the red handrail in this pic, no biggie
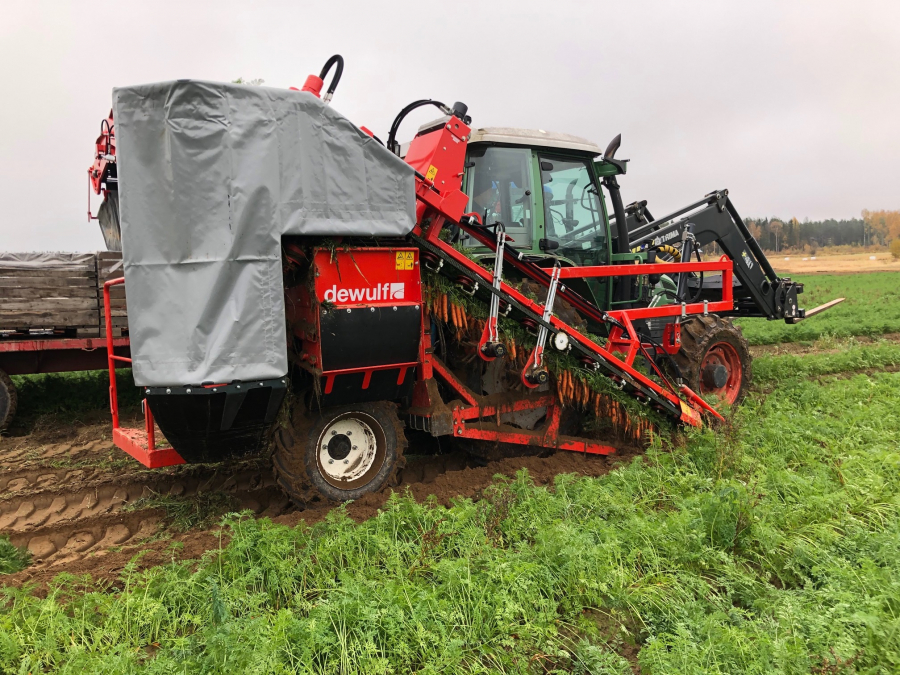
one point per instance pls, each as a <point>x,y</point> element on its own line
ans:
<point>111,360</point>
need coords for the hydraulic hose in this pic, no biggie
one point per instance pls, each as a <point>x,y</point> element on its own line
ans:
<point>336,59</point>
<point>392,144</point>
<point>622,243</point>
<point>624,286</point>
<point>665,248</point>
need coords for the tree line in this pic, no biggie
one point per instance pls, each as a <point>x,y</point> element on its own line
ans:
<point>874,228</point>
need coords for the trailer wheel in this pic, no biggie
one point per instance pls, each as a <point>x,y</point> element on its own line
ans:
<point>341,453</point>
<point>8,400</point>
<point>715,358</point>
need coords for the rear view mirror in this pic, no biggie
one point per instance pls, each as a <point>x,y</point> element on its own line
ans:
<point>548,245</point>
<point>546,166</point>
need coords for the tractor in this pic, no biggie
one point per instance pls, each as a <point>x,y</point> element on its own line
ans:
<point>296,283</point>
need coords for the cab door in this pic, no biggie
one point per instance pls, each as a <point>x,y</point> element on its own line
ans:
<point>575,218</point>
<point>500,187</point>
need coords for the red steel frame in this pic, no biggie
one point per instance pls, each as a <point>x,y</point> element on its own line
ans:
<point>139,443</point>
<point>54,355</point>
<point>437,208</point>
<point>466,419</point>
<point>105,149</point>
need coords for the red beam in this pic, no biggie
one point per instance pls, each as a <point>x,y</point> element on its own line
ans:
<point>643,268</point>
<point>524,438</point>
<point>48,344</point>
<point>476,411</point>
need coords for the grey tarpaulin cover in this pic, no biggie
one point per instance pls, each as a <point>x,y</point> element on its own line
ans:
<point>211,176</point>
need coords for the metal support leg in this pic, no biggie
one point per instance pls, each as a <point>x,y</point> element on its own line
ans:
<point>535,374</point>
<point>490,346</point>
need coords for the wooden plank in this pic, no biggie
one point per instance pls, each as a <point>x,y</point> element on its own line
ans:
<point>35,293</point>
<point>47,282</point>
<point>48,305</point>
<point>49,272</point>
<point>51,319</point>
<point>822,308</point>
<point>44,319</point>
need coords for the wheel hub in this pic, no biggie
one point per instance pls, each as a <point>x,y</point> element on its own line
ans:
<point>347,450</point>
<point>721,372</point>
<point>715,376</point>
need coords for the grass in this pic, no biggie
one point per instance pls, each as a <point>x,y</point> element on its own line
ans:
<point>202,510</point>
<point>771,545</point>
<point>68,395</point>
<point>845,357</point>
<point>12,558</point>
<point>872,308</point>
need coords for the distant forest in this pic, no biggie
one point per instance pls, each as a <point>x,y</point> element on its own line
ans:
<point>875,228</point>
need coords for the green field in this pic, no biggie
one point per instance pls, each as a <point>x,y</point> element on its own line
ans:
<point>872,307</point>
<point>770,545</point>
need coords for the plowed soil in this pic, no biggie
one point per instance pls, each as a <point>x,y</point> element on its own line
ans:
<point>82,506</point>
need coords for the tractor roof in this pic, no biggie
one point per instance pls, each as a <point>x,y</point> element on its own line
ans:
<point>531,137</point>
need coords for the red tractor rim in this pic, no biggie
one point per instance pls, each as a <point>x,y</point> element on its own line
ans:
<point>725,355</point>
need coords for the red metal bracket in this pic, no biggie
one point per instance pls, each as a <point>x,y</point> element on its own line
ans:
<point>139,443</point>
<point>671,342</point>
<point>545,437</point>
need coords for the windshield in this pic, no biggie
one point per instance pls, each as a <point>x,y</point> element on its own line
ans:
<point>499,185</point>
<point>572,214</point>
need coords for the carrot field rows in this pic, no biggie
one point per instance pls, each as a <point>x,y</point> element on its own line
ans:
<point>768,545</point>
<point>872,307</point>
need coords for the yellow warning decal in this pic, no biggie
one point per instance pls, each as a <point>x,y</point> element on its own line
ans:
<point>405,260</point>
<point>689,415</point>
<point>432,172</point>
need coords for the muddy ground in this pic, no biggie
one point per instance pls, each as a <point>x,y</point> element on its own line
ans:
<point>82,506</point>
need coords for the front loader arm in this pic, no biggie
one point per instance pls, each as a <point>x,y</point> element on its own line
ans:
<point>762,293</point>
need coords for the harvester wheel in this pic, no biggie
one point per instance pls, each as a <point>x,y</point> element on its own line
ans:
<point>8,400</point>
<point>715,358</point>
<point>341,453</point>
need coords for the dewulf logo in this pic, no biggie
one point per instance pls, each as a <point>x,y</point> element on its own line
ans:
<point>386,291</point>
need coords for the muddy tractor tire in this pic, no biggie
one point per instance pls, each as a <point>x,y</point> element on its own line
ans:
<point>340,453</point>
<point>8,400</point>
<point>715,358</point>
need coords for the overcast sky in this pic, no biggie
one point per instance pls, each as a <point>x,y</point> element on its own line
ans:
<point>793,106</point>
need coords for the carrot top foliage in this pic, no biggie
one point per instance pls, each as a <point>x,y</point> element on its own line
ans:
<point>771,545</point>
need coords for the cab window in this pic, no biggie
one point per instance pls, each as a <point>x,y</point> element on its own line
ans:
<point>499,186</point>
<point>572,214</point>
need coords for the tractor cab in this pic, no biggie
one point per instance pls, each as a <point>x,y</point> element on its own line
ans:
<point>545,189</point>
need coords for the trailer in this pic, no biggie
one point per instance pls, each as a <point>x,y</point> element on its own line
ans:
<point>50,317</point>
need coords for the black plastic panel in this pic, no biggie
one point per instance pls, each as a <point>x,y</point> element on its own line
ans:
<point>363,337</point>
<point>210,427</point>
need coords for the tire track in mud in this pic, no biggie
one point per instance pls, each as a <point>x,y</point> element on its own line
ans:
<point>57,525</point>
<point>76,506</point>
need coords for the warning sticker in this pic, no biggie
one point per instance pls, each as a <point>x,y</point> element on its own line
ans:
<point>432,172</point>
<point>405,260</point>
